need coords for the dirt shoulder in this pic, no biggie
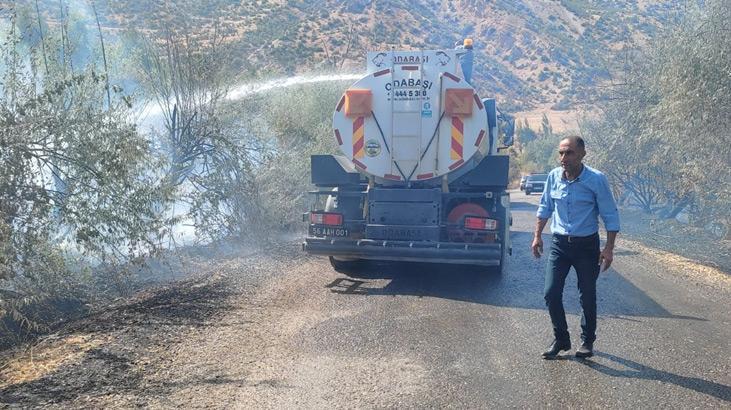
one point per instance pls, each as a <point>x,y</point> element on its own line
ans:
<point>130,355</point>
<point>675,240</point>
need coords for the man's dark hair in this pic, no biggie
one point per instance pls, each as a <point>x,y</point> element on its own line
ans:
<point>577,140</point>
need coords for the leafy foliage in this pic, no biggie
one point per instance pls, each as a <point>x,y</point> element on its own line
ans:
<point>297,123</point>
<point>664,130</point>
<point>534,152</point>
<point>76,178</point>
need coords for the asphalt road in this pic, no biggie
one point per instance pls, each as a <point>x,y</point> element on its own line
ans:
<point>419,336</point>
<point>416,336</point>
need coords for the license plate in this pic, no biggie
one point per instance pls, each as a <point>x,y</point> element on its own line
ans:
<point>328,231</point>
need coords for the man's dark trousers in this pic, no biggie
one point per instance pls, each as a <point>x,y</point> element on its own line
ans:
<point>583,255</point>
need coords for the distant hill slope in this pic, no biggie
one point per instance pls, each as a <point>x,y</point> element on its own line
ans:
<point>530,54</point>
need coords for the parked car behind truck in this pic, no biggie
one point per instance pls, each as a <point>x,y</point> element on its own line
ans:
<point>535,183</point>
<point>522,182</point>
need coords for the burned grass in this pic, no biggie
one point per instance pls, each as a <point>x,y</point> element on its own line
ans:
<point>679,241</point>
<point>134,352</point>
<point>110,351</point>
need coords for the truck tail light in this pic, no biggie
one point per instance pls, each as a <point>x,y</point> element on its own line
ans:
<point>482,224</point>
<point>326,218</point>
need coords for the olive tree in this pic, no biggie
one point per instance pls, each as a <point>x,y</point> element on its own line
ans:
<point>662,132</point>
<point>76,178</point>
<point>209,149</point>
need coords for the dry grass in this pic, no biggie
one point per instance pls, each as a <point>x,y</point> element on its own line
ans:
<point>690,268</point>
<point>561,121</point>
<point>43,358</point>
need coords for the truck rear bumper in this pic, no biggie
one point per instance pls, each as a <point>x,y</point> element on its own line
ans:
<point>437,252</point>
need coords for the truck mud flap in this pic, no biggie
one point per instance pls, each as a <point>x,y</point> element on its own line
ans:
<point>386,250</point>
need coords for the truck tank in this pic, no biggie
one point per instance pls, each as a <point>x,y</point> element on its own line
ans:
<point>412,118</point>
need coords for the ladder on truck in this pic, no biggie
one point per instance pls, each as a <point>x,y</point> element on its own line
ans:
<point>406,122</point>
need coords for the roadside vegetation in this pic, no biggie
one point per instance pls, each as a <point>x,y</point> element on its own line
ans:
<point>77,181</point>
<point>88,197</point>
<point>661,130</point>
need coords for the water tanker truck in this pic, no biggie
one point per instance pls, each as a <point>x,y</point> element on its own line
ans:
<point>420,177</point>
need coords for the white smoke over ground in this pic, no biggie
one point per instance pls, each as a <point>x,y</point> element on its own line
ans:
<point>151,119</point>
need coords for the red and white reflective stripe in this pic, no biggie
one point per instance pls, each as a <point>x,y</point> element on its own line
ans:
<point>358,137</point>
<point>337,135</point>
<point>479,138</point>
<point>452,77</point>
<point>340,104</point>
<point>455,153</point>
<point>456,164</point>
<point>326,218</point>
<point>483,224</point>
<point>382,72</point>
<point>359,164</point>
<point>479,103</point>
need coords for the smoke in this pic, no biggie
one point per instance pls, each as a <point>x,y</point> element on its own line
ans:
<point>152,117</point>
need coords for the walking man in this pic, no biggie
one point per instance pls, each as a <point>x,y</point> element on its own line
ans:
<point>574,196</point>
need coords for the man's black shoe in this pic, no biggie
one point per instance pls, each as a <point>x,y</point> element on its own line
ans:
<point>585,350</point>
<point>555,348</point>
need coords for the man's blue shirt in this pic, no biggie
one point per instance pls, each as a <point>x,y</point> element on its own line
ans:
<point>575,205</point>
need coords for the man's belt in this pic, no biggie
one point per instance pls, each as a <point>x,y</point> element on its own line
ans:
<point>577,239</point>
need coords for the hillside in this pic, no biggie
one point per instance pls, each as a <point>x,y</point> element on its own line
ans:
<point>531,55</point>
